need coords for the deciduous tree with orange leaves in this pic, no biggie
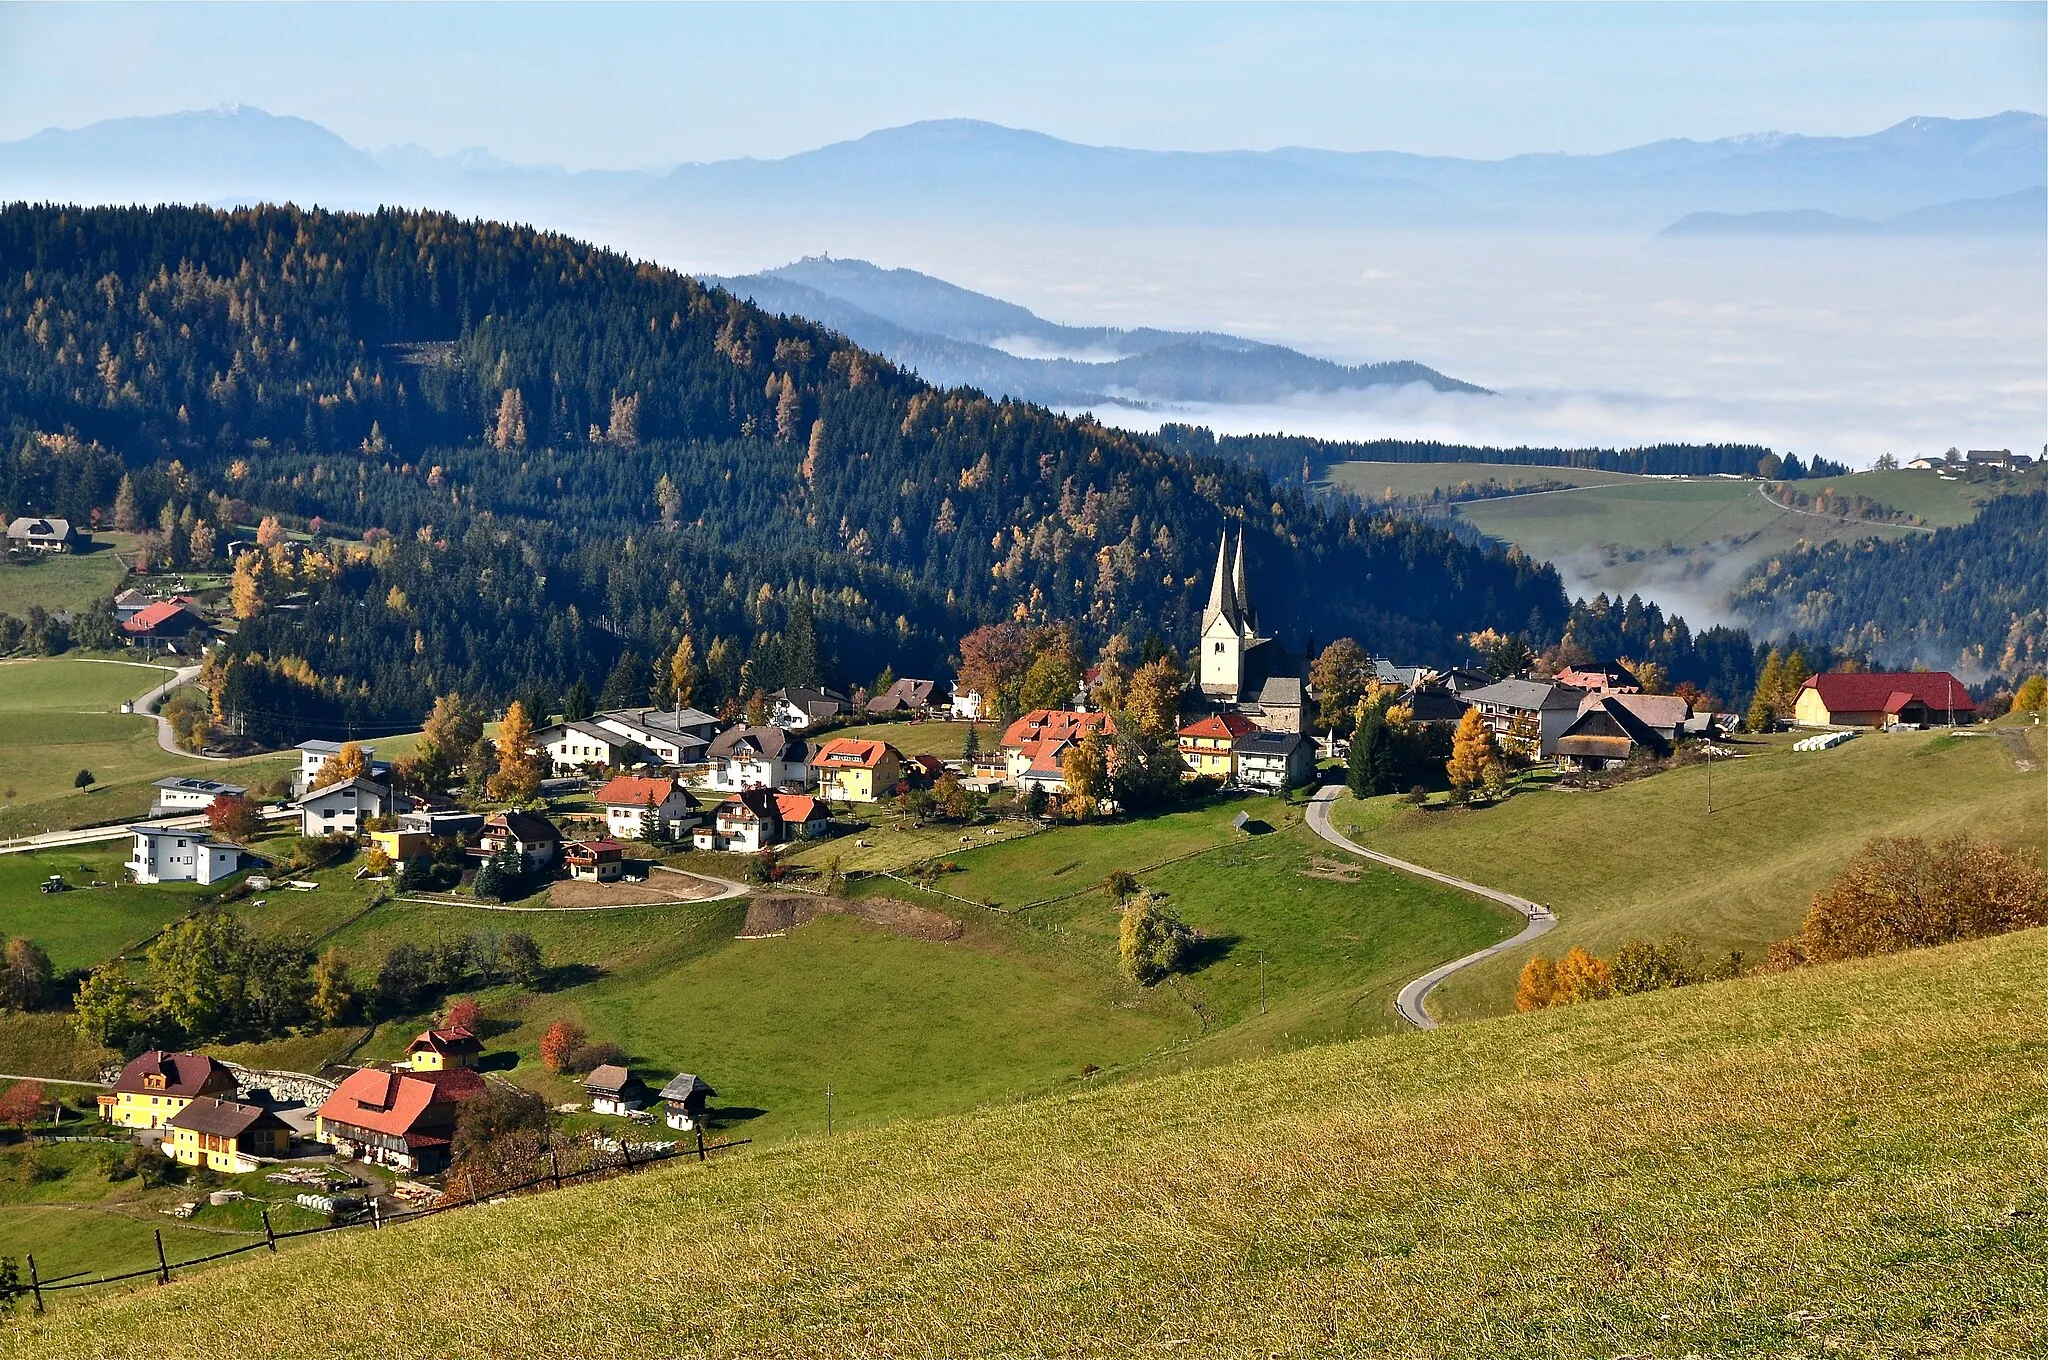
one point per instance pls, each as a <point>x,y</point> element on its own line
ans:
<point>1583,976</point>
<point>1538,985</point>
<point>558,1046</point>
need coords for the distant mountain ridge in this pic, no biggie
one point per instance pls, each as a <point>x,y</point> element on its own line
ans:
<point>967,170</point>
<point>2024,213</point>
<point>955,337</point>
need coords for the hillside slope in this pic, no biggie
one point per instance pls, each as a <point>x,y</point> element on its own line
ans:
<point>1717,1170</point>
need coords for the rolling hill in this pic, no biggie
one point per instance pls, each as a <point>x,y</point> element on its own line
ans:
<point>1716,1170</point>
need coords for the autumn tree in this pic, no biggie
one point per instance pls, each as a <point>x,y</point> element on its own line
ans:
<point>670,500</point>
<point>104,1007</point>
<point>25,975</point>
<point>1582,976</point>
<point>1651,678</point>
<point>1472,750</point>
<point>245,592</point>
<point>993,659</point>
<point>21,1104</point>
<point>235,817</point>
<point>789,412</point>
<point>559,1044</point>
<point>1153,696</point>
<point>682,672</point>
<point>334,998</point>
<point>2032,695</point>
<point>269,533</point>
<point>1901,892</point>
<point>1081,767</point>
<point>1537,987</point>
<point>519,764</point>
<point>465,1012</point>
<point>1339,677</point>
<point>350,762</point>
<point>1151,941</point>
<point>623,431</point>
<point>510,430</point>
<point>124,504</point>
<point>1052,679</point>
<point>1649,966</point>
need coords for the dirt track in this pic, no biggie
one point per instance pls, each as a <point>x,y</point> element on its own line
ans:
<point>772,914</point>
<point>667,887</point>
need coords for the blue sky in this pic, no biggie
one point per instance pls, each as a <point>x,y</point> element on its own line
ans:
<point>640,85</point>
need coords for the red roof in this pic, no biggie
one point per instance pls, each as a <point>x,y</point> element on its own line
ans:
<point>1222,726</point>
<point>1889,691</point>
<point>452,1040</point>
<point>145,619</point>
<point>394,1103</point>
<point>633,790</point>
<point>798,807</point>
<point>1056,724</point>
<point>845,752</point>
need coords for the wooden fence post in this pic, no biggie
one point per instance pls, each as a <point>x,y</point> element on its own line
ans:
<point>269,1233</point>
<point>35,1283</point>
<point>376,1213</point>
<point>555,1166</point>
<point>163,1267</point>
<point>626,1148</point>
<point>700,1142</point>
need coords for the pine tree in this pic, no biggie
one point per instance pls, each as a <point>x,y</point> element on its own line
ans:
<point>124,504</point>
<point>577,704</point>
<point>510,430</point>
<point>1373,765</point>
<point>970,748</point>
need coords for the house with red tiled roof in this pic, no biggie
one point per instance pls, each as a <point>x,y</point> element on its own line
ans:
<point>395,1119</point>
<point>1884,699</point>
<point>803,817</point>
<point>166,621</point>
<point>857,771</point>
<point>636,807</point>
<point>439,1050</point>
<point>1208,745</point>
<point>1035,745</point>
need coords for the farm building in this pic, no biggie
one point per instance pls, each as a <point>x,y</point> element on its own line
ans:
<point>440,1050</point>
<point>613,1089</point>
<point>1884,699</point>
<point>157,1084</point>
<point>394,1119</point>
<point>683,1101</point>
<point>225,1135</point>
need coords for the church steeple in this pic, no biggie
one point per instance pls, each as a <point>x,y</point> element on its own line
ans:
<point>1248,619</point>
<point>1223,598</point>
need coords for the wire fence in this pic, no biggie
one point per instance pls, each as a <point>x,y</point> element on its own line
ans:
<point>374,1218</point>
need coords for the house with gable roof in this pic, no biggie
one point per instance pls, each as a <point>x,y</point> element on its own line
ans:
<point>439,1050</point>
<point>856,771</point>
<point>1208,745</point>
<point>758,758</point>
<point>638,807</point>
<point>1884,699</point>
<point>156,1085</point>
<point>1034,746</point>
<point>225,1135</point>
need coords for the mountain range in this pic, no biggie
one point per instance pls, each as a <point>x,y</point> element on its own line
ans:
<point>964,170</point>
<point>2024,212</point>
<point>954,337</point>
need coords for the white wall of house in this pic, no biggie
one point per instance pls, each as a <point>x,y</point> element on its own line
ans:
<point>738,774</point>
<point>180,857</point>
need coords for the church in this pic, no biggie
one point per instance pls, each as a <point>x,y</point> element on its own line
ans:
<point>1238,669</point>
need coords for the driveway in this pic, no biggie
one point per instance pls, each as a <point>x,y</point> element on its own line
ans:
<point>1411,1001</point>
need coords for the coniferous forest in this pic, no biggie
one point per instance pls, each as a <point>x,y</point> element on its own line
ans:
<point>535,458</point>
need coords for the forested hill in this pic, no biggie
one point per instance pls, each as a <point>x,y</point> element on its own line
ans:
<point>506,404</point>
<point>1974,595</point>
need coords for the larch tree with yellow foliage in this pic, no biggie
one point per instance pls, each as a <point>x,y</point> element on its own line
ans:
<point>1538,985</point>
<point>518,775</point>
<point>682,672</point>
<point>1472,750</point>
<point>245,594</point>
<point>1582,976</point>
<point>348,763</point>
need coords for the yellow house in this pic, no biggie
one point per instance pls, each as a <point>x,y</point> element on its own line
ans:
<point>857,771</point>
<point>225,1136</point>
<point>439,1050</point>
<point>1209,747</point>
<point>400,846</point>
<point>157,1085</point>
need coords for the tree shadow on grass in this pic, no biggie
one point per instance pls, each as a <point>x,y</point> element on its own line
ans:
<point>720,1117</point>
<point>566,975</point>
<point>1206,950</point>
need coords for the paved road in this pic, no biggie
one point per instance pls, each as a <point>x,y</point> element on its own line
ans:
<point>93,834</point>
<point>1775,503</point>
<point>1410,1003</point>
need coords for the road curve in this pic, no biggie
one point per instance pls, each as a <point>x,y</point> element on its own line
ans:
<point>1775,503</point>
<point>1410,1002</point>
<point>146,704</point>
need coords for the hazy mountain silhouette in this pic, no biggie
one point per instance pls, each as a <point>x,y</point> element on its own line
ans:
<point>2024,213</point>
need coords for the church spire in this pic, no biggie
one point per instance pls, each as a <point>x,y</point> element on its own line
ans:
<point>1250,620</point>
<point>1223,601</point>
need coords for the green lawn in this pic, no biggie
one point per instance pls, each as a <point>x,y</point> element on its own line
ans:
<point>82,927</point>
<point>61,580</point>
<point>1643,859</point>
<point>1935,499</point>
<point>1377,481</point>
<point>947,740</point>
<point>1843,1161</point>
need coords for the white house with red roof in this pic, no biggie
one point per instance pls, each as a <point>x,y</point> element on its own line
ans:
<point>1884,699</point>
<point>1035,745</point>
<point>636,806</point>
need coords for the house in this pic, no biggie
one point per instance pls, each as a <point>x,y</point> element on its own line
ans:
<point>156,1085</point>
<point>225,1135</point>
<point>907,696</point>
<point>1401,677</point>
<point>1668,715</point>
<point>343,808</point>
<point>804,818</point>
<point>855,771</point>
<point>684,1099</point>
<point>1926,464</point>
<point>1526,716</point>
<point>747,822</point>
<point>758,758</point>
<point>1208,746</point>
<point>39,533</point>
<point>1462,680</point>
<point>131,602</point>
<point>1608,675</point>
<point>571,747</point>
<point>1238,667</point>
<point>799,707</point>
<point>313,756</point>
<point>1989,457</point>
<point>533,837</point>
<point>1275,761</point>
<point>1884,699</point>
<point>442,1050</point>
<point>672,736</point>
<point>595,861</point>
<point>190,795</point>
<point>1433,703</point>
<point>967,704</point>
<point>1035,745</point>
<point>1606,733</point>
<point>165,855</point>
<point>165,623</point>
<point>396,1119</point>
<point>640,808</point>
<point>613,1089</point>
<point>439,822</point>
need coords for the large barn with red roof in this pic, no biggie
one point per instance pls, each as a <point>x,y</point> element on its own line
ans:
<point>1884,699</point>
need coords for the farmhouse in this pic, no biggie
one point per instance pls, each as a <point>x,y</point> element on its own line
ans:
<point>758,758</point>
<point>1606,733</point>
<point>1884,699</point>
<point>225,1135</point>
<point>800,707</point>
<point>397,1120</point>
<point>1208,746</point>
<point>1033,746</point>
<point>683,1101</point>
<point>613,1089</point>
<point>164,623</point>
<point>574,746</point>
<point>156,1085</point>
<point>596,861</point>
<point>672,736</point>
<point>638,808</point>
<point>1239,668</point>
<point>343,808</point>
<point>804,818</point>
<point>1668,715</point>
<point>38,533</point>
<point>1527,716</point>
<point>177,794</point>
<point>907,696</point>
<point>440,1050</point>
<point>744,823</point>
<point>165,855</point>
<point>1608,676</point>
<point>1275,761</point>
<point>533,837</point>
<point>856,771</point>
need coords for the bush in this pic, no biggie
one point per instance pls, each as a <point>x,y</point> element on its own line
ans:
<point>559,1045</point>
<point>1900,892</point>
<point>1152,941</point>
<point>1418,795</point>
<point>589,1056</point>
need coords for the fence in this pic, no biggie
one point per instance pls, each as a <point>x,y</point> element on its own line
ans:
<point>376,1218</point>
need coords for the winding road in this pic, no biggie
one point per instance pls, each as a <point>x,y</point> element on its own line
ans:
<point>146,703</point>
<point>1411,1001</point>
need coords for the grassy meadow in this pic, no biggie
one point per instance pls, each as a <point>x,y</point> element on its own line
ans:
<point>1379,481</point>
<point>1645,859</point>
<point>63,580</point>
<point>1712,1171</point>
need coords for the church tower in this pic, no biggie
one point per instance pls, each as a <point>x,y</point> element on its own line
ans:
<point>1228,629</point>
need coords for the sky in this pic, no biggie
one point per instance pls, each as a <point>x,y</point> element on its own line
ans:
<point>604,86</point>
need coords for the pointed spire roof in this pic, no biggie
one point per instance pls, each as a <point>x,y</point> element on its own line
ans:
<point>1222,598</point>
<point>1244,591</point>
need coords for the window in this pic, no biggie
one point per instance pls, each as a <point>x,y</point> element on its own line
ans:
<point>1219,647</point>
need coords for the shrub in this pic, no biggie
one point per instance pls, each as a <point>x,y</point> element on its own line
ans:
<point>1538,985</point>
<point>588,1056</point>
<point>1583,977</point>
<point>1418,795</point>
<point>1900,892</point>
<point>1641,966</point>
<point>1151,940</point>
<point>465,1013</point>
